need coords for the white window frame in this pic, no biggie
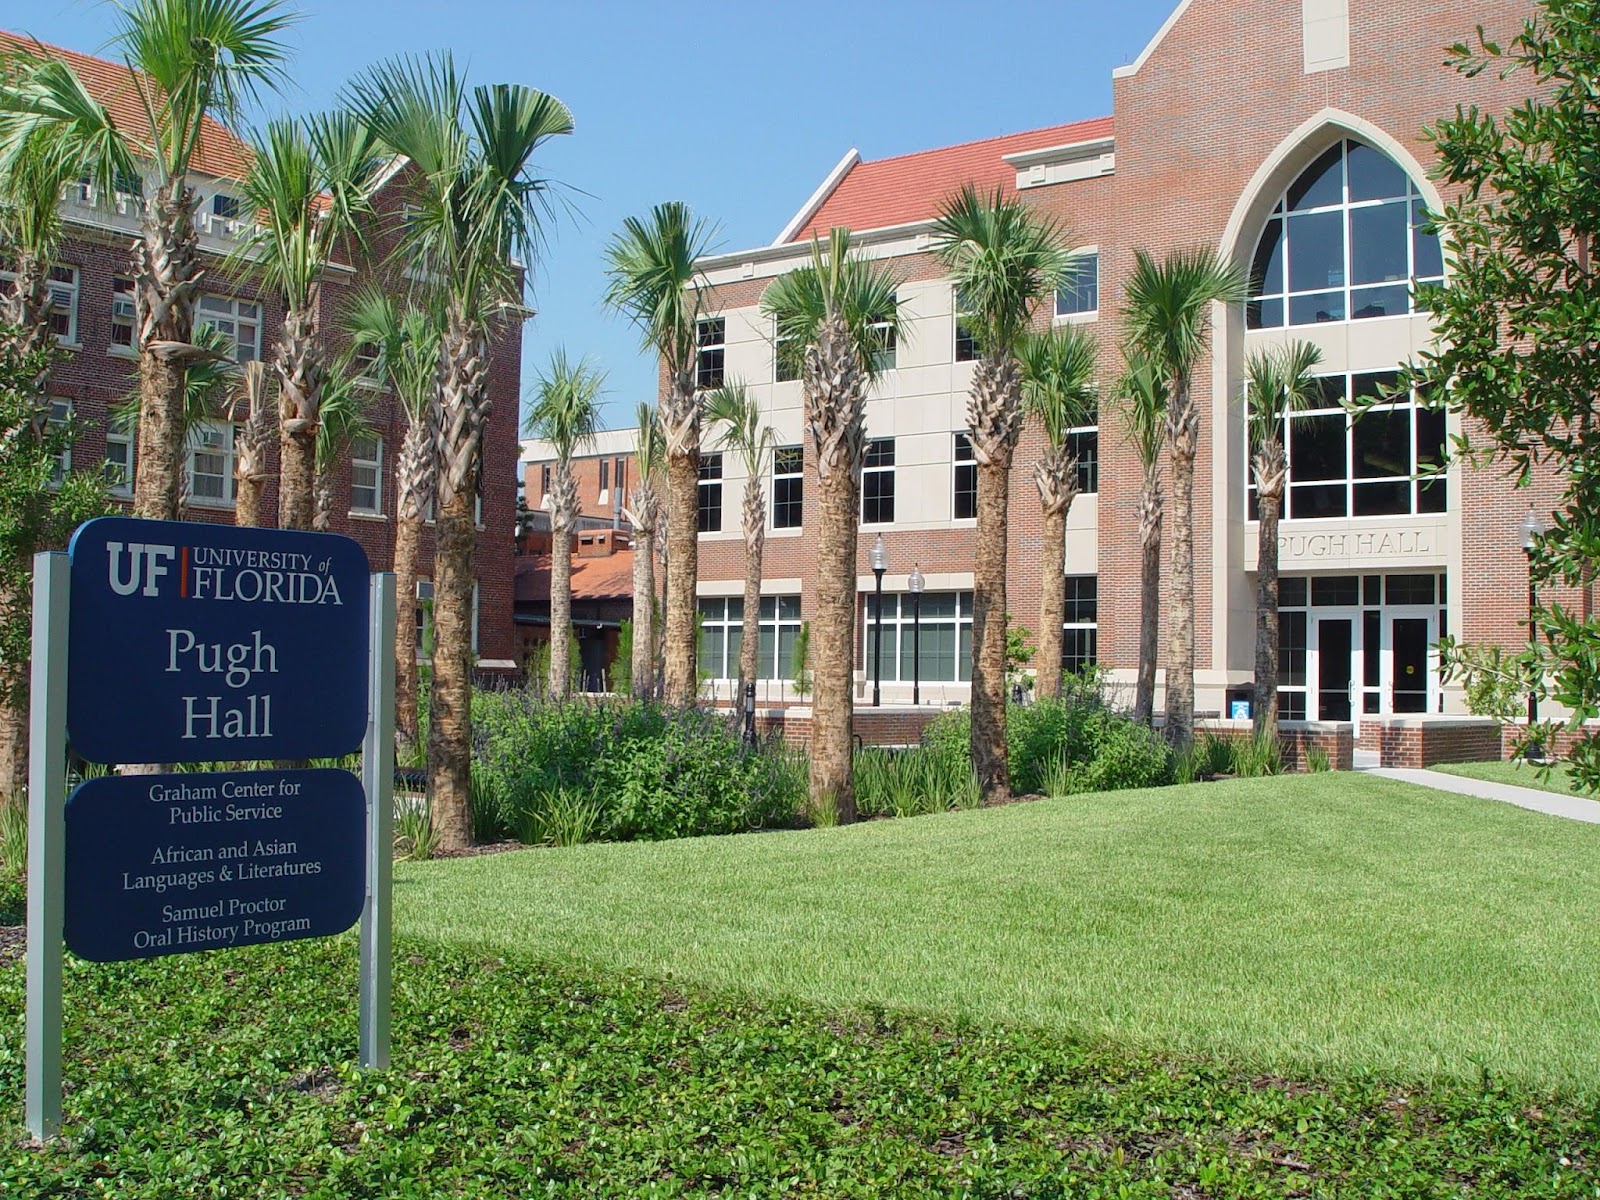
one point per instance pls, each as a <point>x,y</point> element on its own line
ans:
<point>711,459</point>
<point>1092,627</point>
<point>360,462</point>
<point>786,476</point>
<point>769,668</point>
<point>119,476</point>
<point>959,311</point>
<point>957,464</point>
<point>1076,435</point>
<point>886,470</point>
<point>899,632</point>
<point>239,314</point>
<point>123,297</point>
<point>703,328</point>
<point>63,295</point>
<point>200,443</point>
<point>61,408</point>
<point>886,357</point>
<point>1071,315</point>
<point>777,371</point>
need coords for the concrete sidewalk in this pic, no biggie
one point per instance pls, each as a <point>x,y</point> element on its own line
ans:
<point>1573,808</point>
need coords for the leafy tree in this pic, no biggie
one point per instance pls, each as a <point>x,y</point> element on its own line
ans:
<point>1005,261</point>
<point>39,508</point>
<point>1518,352</point>
<point>1277,382</point>
<point>1168,317</point>
<point>836,308</point>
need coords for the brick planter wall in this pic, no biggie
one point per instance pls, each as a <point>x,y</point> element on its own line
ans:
<point>1336,739</point>
<point>874,726</point>
<point>1564,739</point>
<point>1422,741</point>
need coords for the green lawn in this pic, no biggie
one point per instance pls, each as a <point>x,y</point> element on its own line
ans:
<point>1329,923</point>
<point>1517,773</point>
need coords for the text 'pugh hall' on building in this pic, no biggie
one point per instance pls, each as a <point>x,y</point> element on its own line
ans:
<point>1307,167</point>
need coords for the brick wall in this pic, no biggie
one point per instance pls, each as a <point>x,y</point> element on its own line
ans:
<point>875,727</point>
<point>1423,741</point>
<point>1295,738</point>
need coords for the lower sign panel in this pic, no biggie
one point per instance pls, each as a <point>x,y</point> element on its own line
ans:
<point>169,864</point>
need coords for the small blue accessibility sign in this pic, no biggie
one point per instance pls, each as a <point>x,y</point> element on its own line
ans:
<point>206,643</point>
<point>170,864</point>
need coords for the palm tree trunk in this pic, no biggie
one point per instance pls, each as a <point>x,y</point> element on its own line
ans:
<point>13,730</point>
<point>450,702</point>
<point>644,612</point>
<point>833,630</point>
<point>407,537</point>
<point>683,552</point>
<point>301,372</point>
<point>755,540</point>
<point>1183,432</point>
<point>26,308</point>
<point>1052,602</point>
<point>1265,706</point>
<point>322,494</point>
<point>1150,518</point>
<point>563,507</point>
<point>167,279</point>
<point>247,491</point>
<point>989,635</point>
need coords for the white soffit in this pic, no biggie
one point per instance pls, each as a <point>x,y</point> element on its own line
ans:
<point>809,208</point>
<point>1133,67</point>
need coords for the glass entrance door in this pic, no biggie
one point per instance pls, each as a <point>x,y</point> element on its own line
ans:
<point>1335,668</point>
<point>1410,638</point>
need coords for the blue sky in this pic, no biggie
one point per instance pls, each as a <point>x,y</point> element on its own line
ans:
<point>739,109</point>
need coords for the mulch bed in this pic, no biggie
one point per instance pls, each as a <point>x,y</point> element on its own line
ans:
<point>480,848</point>
<point>13,942</point>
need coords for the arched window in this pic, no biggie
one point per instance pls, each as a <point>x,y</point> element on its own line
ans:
<point>1345,242</point>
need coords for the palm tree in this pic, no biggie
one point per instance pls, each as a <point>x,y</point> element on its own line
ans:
<point>1058,386</point>
<point>309,185</point>
<point>1143,394</point>
<point>1277,382</point>
<point>744,433</point>
<point>406,345</point>
<point>252,444</point>
<point>565,413</point>
<point>190,62</point>
<point>1168,318</point>
<point>474,203</point>
<point>341,420</point>
<point>654,281</point>
<point>835,310</point>
<point>644,513</point>
<point>1004,260</point>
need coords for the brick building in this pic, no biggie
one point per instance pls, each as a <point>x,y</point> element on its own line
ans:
<point>93,321</point>
<point>1308,168</point>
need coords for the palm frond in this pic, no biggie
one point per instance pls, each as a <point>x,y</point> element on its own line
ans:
<point>743,431</point>
<point>342,415</point>
<point>1167,310</point>
<point>566,404</point>
<point>1004,259</point>
<point>1058,378</point>
<point>405,341</point>
<point>838,282</point>
<point>1278,381</point>
<point>649,444</point>
<point>652,278</point>
<point>208,383</point>
<point>51,127</point>
<point>1142,401</point>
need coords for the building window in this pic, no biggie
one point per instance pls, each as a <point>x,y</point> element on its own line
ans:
<point>787,357</point>
<point>1346,241</point>
<point>946,636</point>
<point>788,487</point>
<point>544,483</point>
<point>118,467</point>
<point>237,319</point>
<point>1080,629</point>
<point>60,416</point>
<point>211,463</point>
<point>1079,294</point>
<point>122,312</point>
<point>1085,443</point>
<point>964,497</point>
<point>226,206</point>
<point>1383,462</point>
<point>722,636</point>
<point>128,183</point>
<point>877,483</point>
<point>966,341</point>
<point>710,517</point>
<point>619,480</point>
<point>366,475</point>
<point>711,336</point>
<point>883,340</point>
<point>61,287</point>
<point>605,477</point>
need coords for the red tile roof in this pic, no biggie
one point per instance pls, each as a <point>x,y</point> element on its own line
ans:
<point>605,578</point>
<point>894,191</point>
<point>220,152</point>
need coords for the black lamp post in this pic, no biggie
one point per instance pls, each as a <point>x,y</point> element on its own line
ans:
<point>1532,529</point>
<point>880,563</point>
<point>916,583</point>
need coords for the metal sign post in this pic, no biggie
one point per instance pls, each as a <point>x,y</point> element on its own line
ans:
<point>47,788</point>
<point>377,775</point>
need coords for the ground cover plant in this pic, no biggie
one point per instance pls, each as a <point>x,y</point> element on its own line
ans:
<point>1518,774</point>
<point>229,1074</point>
<point>1325,924</point>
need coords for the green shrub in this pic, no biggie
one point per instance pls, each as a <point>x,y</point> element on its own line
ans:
<point>1317,760</point>
<point>414,834</point>
<point>1260,754</point>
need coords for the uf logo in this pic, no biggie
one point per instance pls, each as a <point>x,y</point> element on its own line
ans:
<point>150,562</point>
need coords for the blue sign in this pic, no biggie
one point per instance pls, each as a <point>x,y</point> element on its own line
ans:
<point>170,864</point>
<point>202,643</point>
